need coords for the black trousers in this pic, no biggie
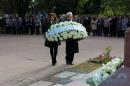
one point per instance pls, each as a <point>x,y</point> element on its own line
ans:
<point>121,33</point>
<point>53,52</point>
<point>99,31</point>
<point>8,30</point>
<point>31,28</point>
<point>106,31</point>
<point>94,32</point>
<point>113,32</point>
<point>69,57</point>
<point>37,30</point>
<point>14,30</point>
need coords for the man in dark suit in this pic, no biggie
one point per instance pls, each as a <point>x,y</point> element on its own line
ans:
<point>71,45</point>
<point>71,49</point>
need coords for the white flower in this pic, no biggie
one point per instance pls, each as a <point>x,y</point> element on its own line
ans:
<point>51,39</point>
<point>56,39</point>
<point>70,36</point>
<point>61,39</point>
<point>105,76</point>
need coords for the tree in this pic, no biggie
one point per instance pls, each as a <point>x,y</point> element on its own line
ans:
<point>117,7</point>
<point>60,6</point>
<point>45,4</point>
<point>81,4</point>
<point>16,6</point>
<point>89,6</point>
<point>22,6</point>
<point>107,7</point>
<point>4,5</point>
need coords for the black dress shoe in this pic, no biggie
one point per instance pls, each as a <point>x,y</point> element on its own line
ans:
<point>67,62</point>
<point>71,64</point>
<point>54,63</point>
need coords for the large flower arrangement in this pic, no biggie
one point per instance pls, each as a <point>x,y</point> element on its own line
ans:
<point>66,30</point>
<point>105,71</point>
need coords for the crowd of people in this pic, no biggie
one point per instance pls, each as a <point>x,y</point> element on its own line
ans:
<point>17,25</point>
<point>114,26</point>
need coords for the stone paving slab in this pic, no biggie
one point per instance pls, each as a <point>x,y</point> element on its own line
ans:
<point>65,74</point>
<point>56,80</point>
<point>77,84</point>
<point>80,78</point>
<point>58,85</point>
<point>64,81</point>
<point>41,83</point>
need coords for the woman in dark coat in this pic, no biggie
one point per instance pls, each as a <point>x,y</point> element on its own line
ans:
<point>52,19</point>
<point>71,45</point>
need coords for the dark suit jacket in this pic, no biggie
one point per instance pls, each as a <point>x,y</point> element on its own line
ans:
<point>72,46</point>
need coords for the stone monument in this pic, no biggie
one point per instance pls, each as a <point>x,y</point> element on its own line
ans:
<point>127,49</point>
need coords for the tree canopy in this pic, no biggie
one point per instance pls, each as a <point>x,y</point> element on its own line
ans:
<point>102,7</point>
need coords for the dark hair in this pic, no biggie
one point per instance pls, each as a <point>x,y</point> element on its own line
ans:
<point>52,14</point>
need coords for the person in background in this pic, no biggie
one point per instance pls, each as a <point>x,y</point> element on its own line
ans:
<point>32,25</point>
<point>119,26</point>
<point>26,29</point>
<point>14,25</point>
<point>124,25</point>
<point>52,19</point>
<point>19,26</point>
<point>106,26</point>
<point>8,25</point>
<point>71,45</point>
<point>62,18</point>
<point>87,24</point>
<point>128,21</point>
<point>99,26</point>
<point>37,23</point>
<point>42,24</point>
<point>113,27</point>
<point>76,18</point>
<point>45,27</point>
<point>94,26</point>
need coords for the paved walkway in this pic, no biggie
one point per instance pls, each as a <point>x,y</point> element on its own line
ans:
<point>23,56</point>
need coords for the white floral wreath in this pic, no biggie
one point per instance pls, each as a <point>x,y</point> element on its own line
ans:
<point>66,30</point>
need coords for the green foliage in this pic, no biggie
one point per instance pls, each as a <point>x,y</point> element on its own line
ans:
<point>105,7</point>
<point>107,51</point>
<point>82,3</point>
<point>107,11</point>
<point>93,6</point>
<point>101,7</point>
<point>116,7</point>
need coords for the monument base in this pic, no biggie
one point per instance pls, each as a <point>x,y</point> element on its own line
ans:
<point>119,78</point>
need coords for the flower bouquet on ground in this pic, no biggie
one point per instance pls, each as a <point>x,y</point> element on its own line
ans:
<point>103,58</point>
<point>66,30</point>
<point>105,71</point>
